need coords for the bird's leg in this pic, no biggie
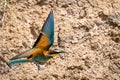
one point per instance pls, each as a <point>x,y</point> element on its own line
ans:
<point>38,64</point>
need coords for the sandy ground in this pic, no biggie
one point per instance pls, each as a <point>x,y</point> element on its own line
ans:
<point>89,30</point>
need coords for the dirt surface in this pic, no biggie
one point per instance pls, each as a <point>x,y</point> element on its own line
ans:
<point>89,30</point>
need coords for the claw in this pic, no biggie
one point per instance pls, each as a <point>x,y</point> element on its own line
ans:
<point>38,64</point>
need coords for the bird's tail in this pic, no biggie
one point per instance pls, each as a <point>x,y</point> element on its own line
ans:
<point>25,54</point>
<point>12,62</point>
<point>39,59</point>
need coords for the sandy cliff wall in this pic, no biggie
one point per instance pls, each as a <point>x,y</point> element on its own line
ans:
<point>89,30</point>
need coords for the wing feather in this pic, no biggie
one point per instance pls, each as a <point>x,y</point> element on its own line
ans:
<point>22,55</point>
<point>46,38</point>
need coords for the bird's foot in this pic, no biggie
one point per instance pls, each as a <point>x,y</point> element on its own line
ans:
<point>38,64</point>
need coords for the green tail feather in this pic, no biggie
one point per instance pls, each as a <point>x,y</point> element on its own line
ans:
<point>18,61</point>
<point>42,59</point>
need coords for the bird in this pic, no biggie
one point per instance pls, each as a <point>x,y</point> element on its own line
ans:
<point>40,51</point>
<point>36,60</point>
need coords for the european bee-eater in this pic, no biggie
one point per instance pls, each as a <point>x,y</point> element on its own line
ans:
<point>38,59</point>
<point>40,51</point>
